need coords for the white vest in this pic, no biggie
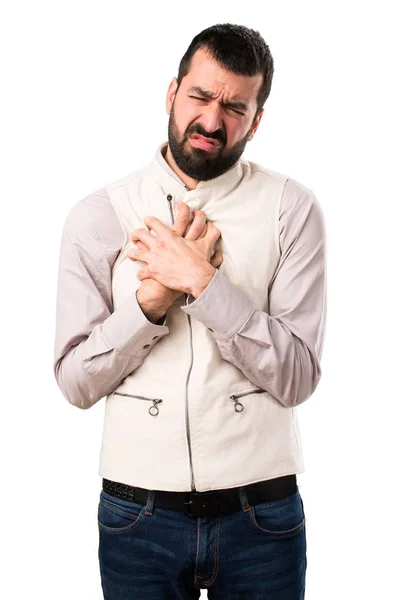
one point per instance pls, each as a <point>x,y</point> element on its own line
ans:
<point>199,437</point>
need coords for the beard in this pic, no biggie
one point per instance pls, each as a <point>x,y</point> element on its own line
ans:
<point>196,162</point>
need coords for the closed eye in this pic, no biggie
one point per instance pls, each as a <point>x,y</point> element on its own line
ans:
<point>235,111</point>
<point>226,106</point>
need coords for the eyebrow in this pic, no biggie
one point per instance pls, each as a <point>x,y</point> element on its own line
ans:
<point>210,95</point>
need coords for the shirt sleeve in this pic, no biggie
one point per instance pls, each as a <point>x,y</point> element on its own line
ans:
<point>280,351</point>
<point>95,347</point>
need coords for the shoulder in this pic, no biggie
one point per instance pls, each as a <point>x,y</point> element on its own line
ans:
<point>92,222</point>
<point>299,201</point>
<point>133,177</point>
<point>264,174</point>
<point>294,192</point>
<point>296,198</point>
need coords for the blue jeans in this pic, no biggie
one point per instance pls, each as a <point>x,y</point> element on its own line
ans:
<point>151,553</point>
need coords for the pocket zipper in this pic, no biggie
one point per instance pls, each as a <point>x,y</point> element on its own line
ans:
<point>235,397</point>
<point>153,410</point>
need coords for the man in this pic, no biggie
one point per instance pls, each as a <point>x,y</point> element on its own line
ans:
<point>192,294</point>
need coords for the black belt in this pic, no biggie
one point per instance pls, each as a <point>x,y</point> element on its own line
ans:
<point>203,504</point>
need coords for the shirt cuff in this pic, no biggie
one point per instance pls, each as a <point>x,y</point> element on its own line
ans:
<point>162,320</point>
<point>129,331</point>
<point>221,307</point>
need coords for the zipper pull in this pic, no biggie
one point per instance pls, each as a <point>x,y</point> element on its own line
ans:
<point>154,410</point>
<point>171,212</point>
<point>237,403</point>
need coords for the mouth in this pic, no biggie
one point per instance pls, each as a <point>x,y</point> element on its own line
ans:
<point>208,144</point>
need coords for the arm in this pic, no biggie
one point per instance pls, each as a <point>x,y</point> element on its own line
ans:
<point>281,351</point>
<point>95,348</point>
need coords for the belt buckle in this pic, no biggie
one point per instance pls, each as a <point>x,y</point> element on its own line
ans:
<point>196,502</point>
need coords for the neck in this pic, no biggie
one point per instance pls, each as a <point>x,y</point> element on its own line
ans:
<point>190,183</point>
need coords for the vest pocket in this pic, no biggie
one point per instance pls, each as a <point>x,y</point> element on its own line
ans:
<point>153,410</point>
<point>235,397</point>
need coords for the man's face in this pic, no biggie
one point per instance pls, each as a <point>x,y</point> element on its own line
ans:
<point>212,117</point>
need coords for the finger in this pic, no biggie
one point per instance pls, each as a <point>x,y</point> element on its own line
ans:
<point>203,233</point>
<point>156,225</point>
<point>142,246</point>
<point>217,259</point>
<point>197,226</point>
<point>212,234</point>
<point>143,274</point>
<point>136,254</point>
<point>143,235</point>
<point>182,219</point>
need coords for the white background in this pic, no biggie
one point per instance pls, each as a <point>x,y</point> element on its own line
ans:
<point>83,104</point>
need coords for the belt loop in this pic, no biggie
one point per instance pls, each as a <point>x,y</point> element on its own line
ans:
<point>243,499</point>
<point>150,503</point>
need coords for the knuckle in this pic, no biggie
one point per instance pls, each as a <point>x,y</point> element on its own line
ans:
<point>139,232</point>
<point>213,228</point>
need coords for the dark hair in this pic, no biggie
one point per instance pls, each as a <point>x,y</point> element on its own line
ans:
<point>235,48</point>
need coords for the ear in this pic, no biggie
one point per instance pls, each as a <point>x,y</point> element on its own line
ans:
<point>255,124</point>
<point>172,88</point>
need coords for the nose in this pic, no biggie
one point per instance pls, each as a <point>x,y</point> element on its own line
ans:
<point>211,118</point>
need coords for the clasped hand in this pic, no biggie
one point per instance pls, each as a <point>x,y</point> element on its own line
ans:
<point>181,262</point>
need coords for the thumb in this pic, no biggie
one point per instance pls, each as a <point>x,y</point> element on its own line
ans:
<point>182,220</point>
<point>217,259</point>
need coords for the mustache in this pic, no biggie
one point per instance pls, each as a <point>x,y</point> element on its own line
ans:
<point>218,135</point>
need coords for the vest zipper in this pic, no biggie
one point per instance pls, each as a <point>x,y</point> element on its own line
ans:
<point>169,198</point>
<point>235,397</point>
<point>153,410</point>
<point>193,485</point>
<point>187,402</point>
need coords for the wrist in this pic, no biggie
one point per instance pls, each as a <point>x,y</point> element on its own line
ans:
<point>202,280</point>
<point>153,309</point>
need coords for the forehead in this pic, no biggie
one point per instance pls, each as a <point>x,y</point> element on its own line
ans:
<point>204,72</point>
